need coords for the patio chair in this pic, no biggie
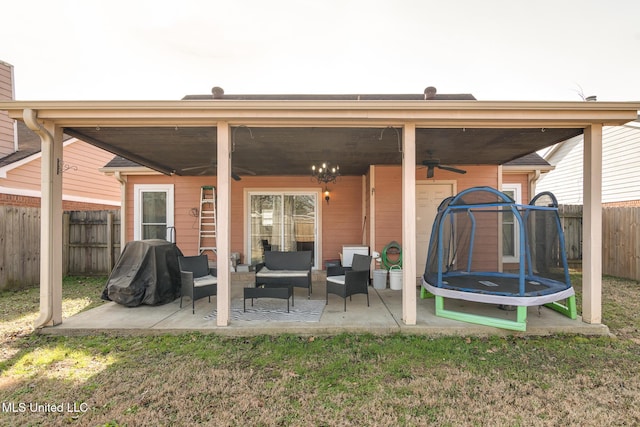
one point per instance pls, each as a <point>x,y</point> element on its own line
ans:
<point>197,279</point>
<point>349,281</point>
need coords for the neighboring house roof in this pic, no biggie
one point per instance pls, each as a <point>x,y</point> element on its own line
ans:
<point>28,144</point>
<point>121,162</point>
<point>84,183</point>
<point>533,159</point>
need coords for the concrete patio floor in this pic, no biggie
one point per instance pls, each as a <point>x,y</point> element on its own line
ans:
<point>383,316</point>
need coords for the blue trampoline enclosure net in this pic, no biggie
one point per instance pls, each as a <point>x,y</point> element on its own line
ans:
<point>482,241</point>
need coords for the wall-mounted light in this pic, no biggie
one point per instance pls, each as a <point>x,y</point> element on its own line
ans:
<point>327,194</point>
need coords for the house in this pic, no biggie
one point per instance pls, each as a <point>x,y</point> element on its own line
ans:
<point>84,187</point>
<point>398,156</point>
<point>620,171</point>
<point>375,225</point>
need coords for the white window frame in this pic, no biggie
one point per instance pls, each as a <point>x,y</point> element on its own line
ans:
<point>517,196</point>
<point>139,190</point>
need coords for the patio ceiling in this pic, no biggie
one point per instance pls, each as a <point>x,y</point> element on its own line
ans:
<point>287,136</point>
<point>261,151</point>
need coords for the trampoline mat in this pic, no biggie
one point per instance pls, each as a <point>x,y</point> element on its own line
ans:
<point>497,284</point>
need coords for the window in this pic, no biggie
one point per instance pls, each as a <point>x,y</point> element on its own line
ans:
<point>282,221</point>
<point>153,212</point>
<point>510,232</point>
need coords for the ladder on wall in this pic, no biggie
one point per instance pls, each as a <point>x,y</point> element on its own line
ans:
<point>207,220</point>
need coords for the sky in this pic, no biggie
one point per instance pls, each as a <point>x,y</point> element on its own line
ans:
<point>542,50</point>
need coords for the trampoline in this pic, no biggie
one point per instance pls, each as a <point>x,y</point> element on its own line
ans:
<point>486,248</point>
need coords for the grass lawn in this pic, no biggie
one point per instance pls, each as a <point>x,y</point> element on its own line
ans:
<point>348,379</point>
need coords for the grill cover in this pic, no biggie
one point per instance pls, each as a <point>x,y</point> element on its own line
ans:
<point>147,272</point>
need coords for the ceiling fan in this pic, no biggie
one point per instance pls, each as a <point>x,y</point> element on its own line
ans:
<point>432,163</point>
<point>211,168</point>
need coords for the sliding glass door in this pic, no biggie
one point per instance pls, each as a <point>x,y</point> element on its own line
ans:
<point>283,221</point>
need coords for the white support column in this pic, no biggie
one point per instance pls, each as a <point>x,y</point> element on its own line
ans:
<point>409,303</point>
<point>592,226</point>
<point>50,221</point>
<point>372,207</point>
<point>122,179</point>
<point>223,229</point>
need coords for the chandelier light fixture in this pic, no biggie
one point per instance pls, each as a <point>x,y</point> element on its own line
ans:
<point>325,174</point>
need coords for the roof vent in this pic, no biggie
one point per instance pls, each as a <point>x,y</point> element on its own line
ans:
<point>430,92</point>
<point>217,92</point>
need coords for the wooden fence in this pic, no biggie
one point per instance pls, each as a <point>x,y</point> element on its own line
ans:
<point>571,219</point>
<point>91,244</point>
<point>621,242</point>
<point>19,246</point>
<point>620,239</point>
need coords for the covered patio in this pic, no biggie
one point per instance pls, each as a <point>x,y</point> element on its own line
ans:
<point>273,136</point>
<point>383,316</point>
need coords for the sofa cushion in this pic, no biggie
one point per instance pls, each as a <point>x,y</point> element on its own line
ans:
<point>266,272</point>
<point>205,280</point>
<point>336,279</point>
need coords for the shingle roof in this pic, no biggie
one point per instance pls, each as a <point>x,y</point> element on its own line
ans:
<point>120,162</point>
<point>428,94</point>
<point>28,144</point>
<point>532,159</point>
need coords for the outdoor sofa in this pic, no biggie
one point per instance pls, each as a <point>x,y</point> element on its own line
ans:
<point>285,269</point>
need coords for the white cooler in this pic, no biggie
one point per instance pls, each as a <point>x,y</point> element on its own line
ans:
<point>349,250</point>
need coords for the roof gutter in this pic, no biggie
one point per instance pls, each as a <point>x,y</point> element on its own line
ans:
<point>46,284</point>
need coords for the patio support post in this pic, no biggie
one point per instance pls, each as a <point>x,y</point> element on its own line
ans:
<point>409,300</point>
<point>122,179</point>
<point>223,229</point>
<point>592,225</point>
<point>50,220</point>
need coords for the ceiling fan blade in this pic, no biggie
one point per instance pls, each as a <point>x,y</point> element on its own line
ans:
<point>192,168</point>
<point>429,171</point>
<point>451,169</point>
<point>244,171</point>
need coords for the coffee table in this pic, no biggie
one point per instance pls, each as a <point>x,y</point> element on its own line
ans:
<point>270,292</point>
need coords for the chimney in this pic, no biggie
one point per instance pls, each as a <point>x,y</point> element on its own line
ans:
<point>8,143</point>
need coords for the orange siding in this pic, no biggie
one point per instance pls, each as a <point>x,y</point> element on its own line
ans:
<point>388,188</point>
<point>82,182</point>
<point>523,180</point>
<point>341,218</point>
<point>388,206</point>
<point>87,181</point>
